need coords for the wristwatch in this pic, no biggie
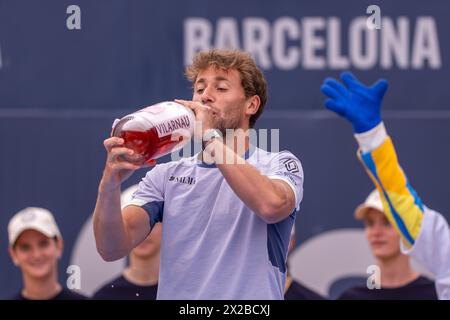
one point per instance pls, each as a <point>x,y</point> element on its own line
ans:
<point>208,137</point>
<point>211,134</point>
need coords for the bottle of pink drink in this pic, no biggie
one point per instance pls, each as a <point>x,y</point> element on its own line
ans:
<point>155,131</point>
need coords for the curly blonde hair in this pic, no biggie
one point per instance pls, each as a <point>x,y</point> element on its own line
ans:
<point>252,79</point>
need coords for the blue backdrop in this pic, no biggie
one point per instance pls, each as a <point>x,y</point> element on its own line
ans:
<point>61,89</point>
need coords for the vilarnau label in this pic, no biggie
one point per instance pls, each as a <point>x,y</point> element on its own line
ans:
<point>168,127</point>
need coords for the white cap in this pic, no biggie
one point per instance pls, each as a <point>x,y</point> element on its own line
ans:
<point>373,201</point>
<point>38,219</point>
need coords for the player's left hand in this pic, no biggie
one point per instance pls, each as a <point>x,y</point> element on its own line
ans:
<point>356,102</point>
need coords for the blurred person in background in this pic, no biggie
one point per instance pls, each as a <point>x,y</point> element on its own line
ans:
<point>398,279</point>
<point>139,281</point>
<point>35,246</point>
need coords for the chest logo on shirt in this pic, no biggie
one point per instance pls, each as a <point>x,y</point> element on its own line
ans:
<point>291,165</point>
<point>185,180</point>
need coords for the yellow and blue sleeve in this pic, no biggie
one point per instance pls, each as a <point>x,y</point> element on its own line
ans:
<point>401,204</point>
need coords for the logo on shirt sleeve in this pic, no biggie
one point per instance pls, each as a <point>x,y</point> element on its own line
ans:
<point>291,165</point>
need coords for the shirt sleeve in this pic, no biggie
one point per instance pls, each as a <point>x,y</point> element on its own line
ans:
<point>432,250</point>
<point>285,166</point>
<point>425,233</point>
<point>401,204</point>
<point>150,194</point>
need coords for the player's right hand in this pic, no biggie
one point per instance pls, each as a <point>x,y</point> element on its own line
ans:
<point>121,162</point>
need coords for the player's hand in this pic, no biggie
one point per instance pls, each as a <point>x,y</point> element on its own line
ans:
<point>121,162</point>
<point>355,102</point>
<point>204,114</point>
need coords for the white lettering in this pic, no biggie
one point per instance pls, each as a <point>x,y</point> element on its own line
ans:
<point>426,44</point>
<point>374,280</point>
<point>227,36</point>
<point>197,37</point>
<point>74,280</point>
<point>256,35</point>
<point>395,44</point>
<point>335,59</point>
<point>285,58</point>
<point>374,21</point>
<point>319,42</point>
<point>73,22</point>
<point>312,42</point>
<point>358,31</point>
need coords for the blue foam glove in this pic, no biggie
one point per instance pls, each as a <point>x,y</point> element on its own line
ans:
<point>355,102</point>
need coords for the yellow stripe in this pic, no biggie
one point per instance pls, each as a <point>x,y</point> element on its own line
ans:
<point>394,183</point>
<point>388,169</point>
